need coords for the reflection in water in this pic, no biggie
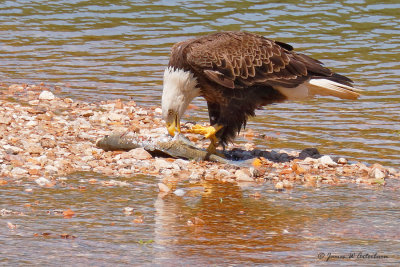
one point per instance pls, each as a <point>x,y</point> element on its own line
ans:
<point>231,227</point>
<point>273,228</point>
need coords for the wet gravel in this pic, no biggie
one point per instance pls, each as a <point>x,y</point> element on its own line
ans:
<point>44,137</point>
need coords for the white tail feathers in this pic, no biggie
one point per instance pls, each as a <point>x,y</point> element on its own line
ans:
<point>327,87</point>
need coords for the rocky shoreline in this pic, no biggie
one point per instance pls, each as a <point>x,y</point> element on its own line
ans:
<point>44,137</point>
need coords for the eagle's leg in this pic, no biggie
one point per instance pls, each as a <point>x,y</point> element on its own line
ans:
<point>209,133</point>
<point>212,148</point>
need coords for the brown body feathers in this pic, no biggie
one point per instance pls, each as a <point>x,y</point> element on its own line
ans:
<point>238,72</point>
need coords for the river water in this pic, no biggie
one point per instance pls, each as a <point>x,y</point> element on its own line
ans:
<point>118,49</point>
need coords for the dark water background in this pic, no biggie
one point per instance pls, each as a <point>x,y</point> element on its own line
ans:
<point>118,49</point>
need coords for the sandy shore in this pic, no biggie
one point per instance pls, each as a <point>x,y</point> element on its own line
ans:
<point>44,137</point>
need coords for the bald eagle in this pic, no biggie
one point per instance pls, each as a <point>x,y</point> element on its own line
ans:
<point>236,73</point>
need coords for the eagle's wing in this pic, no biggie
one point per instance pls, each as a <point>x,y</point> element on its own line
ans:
<point>240,59</point>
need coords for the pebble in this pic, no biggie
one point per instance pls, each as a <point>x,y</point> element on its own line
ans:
<point>342,161</point>
<point>163,188</point>
<point>377,174</point>
<point>115,117</point>
<point>223,173</point>
<point>12,149</point>
<point>46,95</point>
<point>161,164</point>
<point>327,160</point>
<point>42,181</point>
<point>279,186</point>
<point>139,154</point>
<point>51,169</point>
<point>5,120</point>
<point>287,184</point>
<point>128,211</point>
<point>183,164</point>
<point>17,171</point>
<point>31,123</point>
<point>179,192</point>
<point>48,143</point>
<point>34,149</point>
<point>243,176</point>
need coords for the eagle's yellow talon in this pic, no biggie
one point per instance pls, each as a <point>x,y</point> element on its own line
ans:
<point>209,133</point>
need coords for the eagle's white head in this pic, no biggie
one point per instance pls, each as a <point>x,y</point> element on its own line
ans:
<point>178,91</point>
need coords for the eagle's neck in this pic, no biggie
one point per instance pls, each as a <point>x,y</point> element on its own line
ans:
<point>181,81</point>
<point>180,88</point>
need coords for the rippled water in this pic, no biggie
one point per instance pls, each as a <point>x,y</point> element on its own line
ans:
<point>119,49</point>
<point>239,225</point>
<point>96,50</point>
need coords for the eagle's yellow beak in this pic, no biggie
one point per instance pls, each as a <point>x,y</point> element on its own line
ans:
<point>174,126</point>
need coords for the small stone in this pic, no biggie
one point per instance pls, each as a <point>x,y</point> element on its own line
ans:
<point>82,123</point>
<point>279,186</point>
<point>142,112</point>
<point>223,173</point>
<point>115,117</point>
<point>287,184</point>
<point>44,117</point>
<point>161,164</point>
<point>179,192</point>
<point>377,174</point>
<point>196,221</point>
<point>17,171</point>
<point>119,104</point>
<point>87,113</point>
<point>243,176</point>
<point>34,170</point>
<point>34,149</point>
<point>163,188</point>
<point>183,164</point>
<point>47,143</point>
<point>46,95</point>
<point>326,160</point>
<point>33,102</point>
<point>36,111</point>
<point>42,181</point>
<point>5,120</point>
<point>12,149</point>
<point>128,211</point>
<point>197,175</point>
<point>15,87</point>
<point>140,154</point>
<point>51,169</point>
<point>342,161</point>
<point>31,123</point>
<point>158,111</point>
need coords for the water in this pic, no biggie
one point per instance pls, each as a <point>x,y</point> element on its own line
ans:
<point>248,225</point>
<point>101,50</point>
